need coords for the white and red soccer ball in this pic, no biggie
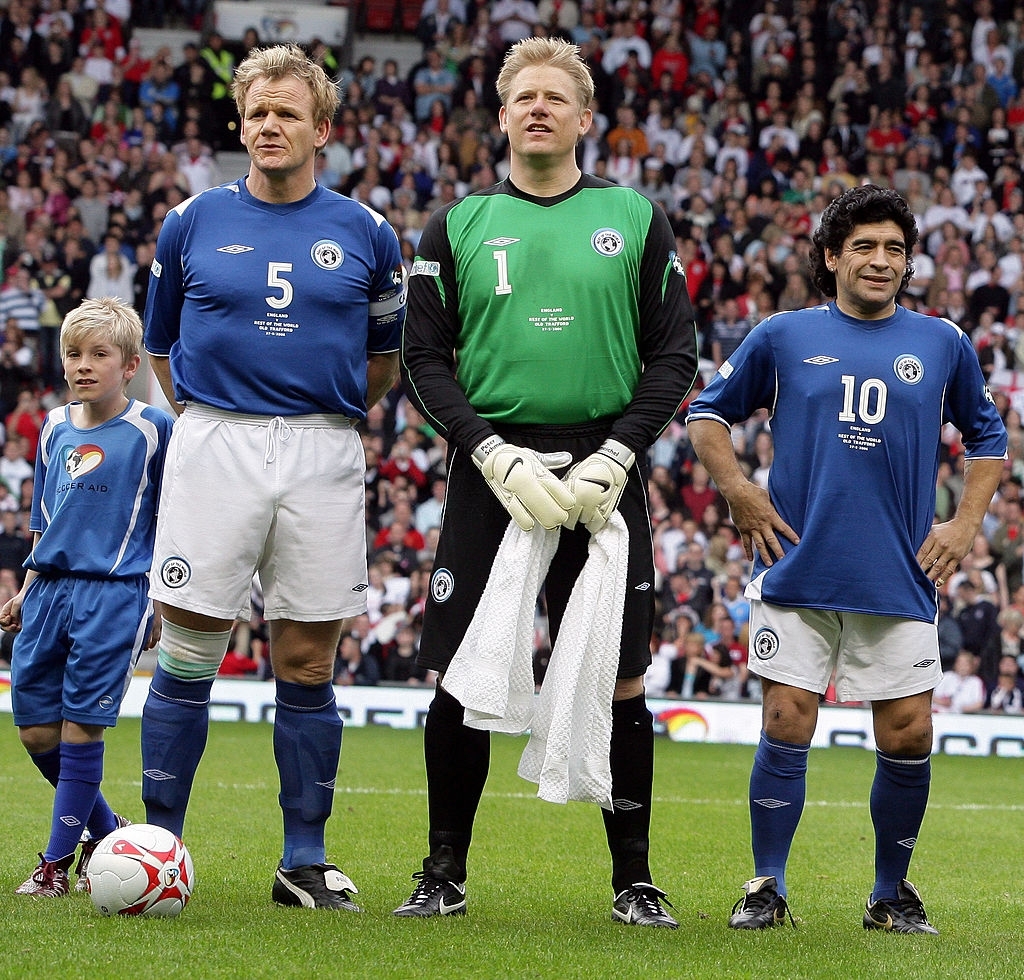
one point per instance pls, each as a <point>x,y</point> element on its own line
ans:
<point>141,869</point>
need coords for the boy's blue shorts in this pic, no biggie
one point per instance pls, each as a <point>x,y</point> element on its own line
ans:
<point>79,642</point>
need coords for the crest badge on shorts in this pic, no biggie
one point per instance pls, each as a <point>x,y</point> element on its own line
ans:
<point>442,584</point>
<point>175,572</point>
<point>765,643</point>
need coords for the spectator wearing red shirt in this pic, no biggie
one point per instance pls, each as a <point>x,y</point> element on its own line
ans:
<point>698,493</point>
<point>401,463</point>
<point>884,137</point>
<point>672,58</point>
<point>27,420</point>
<point>104,28</point>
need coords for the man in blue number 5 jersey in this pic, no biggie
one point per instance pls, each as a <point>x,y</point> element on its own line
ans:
<point>846,557</point>
<point>273,320</point>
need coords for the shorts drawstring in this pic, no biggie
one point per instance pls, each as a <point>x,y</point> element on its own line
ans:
<point>278,429</point>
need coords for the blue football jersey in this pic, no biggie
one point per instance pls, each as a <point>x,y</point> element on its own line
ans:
<point>96,492</point>
<point>272,309</point>
<point>857,408</point>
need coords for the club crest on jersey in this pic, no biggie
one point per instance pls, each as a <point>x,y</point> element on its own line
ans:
<point>327,254</point>
<point>765,644</point>
<point>175,572</point>
<point>607,241</point>
<point>442,584</point>
<point>908,368</point>
<point>676,262</point>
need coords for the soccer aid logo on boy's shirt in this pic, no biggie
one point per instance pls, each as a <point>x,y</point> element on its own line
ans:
<point>79,460</point>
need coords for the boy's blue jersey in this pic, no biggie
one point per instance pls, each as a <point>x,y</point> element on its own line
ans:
<point>96,493</point>
<point>276,306</point>
<point>857,408</point>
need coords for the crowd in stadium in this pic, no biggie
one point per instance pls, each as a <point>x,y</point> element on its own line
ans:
<point>741,120</point>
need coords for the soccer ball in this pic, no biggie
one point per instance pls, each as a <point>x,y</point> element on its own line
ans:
<point>140,869</point>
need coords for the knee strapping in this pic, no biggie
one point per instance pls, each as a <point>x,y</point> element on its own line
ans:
<point>190,654</point>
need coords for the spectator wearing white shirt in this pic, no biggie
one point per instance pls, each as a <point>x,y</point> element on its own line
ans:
<point>111,273</point>
<point>989,216</point>
<point>514,19</point>
<point>961,690</point>
<point>965,178</point>
<point>15,469</point>
<point>428,513</point>
<point>781,130</point>
<point>623,40</point>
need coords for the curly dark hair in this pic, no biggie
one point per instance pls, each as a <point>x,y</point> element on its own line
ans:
<point>863,205</point>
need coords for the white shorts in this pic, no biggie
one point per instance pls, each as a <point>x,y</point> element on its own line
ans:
<point>875,658</point>
<point>282,497</point>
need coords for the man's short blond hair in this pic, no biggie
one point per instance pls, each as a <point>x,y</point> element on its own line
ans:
<point>107,318</point>
<point>550,51</point>
<point>280,61</point>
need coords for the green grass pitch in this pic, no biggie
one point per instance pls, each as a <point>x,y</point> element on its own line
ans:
<point>539,895</point>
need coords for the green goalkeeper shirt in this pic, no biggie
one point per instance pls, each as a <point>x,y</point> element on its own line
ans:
<point>549,311</point>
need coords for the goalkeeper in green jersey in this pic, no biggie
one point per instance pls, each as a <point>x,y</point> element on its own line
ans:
<point>550,338</point>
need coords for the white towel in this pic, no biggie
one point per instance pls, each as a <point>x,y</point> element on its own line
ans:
<point>491,674</point>
<point>492,671</point>
<point>569,747</point>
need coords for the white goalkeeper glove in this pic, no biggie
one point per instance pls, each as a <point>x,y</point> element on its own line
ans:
<point>522,480</point>
<point>597,483</point>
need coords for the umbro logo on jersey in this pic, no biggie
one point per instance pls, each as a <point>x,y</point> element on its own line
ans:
<point>924,663</point>
<point>235,249</point>
<point>501,242</point>
<point>642,587</point>
<point>821,359</point>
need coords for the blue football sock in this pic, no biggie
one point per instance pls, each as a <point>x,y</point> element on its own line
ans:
<point>81,771</point>
<point>307,748</point>
<point>102,820</point>
<point>48,763</point>
<point>778,786</point>
<point>175,724</point>
<point>899,796</point>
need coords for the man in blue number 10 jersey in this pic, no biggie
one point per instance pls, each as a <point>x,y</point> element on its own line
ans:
<point>846,557</point>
